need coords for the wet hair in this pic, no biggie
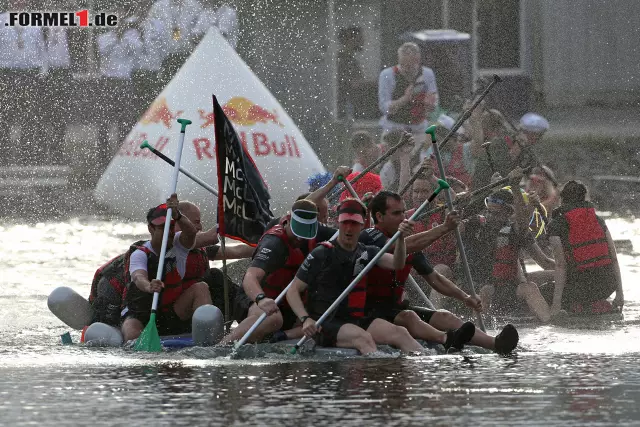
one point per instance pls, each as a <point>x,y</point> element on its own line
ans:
<point>379,203</point>
<point>573,192</point>
<point>305,205</point>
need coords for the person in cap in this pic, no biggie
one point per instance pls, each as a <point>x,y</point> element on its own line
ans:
<point>181,288</point>
<point>493,243</point>
<point>280,251</point>
<point>542,182</point>
<point>533,126</point>
<point>386,296</point>
<point>587,269</point>
<point>327,272</point>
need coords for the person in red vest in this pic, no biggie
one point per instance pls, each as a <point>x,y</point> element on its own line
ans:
<point>327,272</point>
<point>587,269</point>
<point>280,251</point>
<point>182,289</point>
<point>386,292</point>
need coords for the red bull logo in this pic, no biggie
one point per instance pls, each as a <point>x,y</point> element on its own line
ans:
<point>243,112</point>
<point>159,112</point>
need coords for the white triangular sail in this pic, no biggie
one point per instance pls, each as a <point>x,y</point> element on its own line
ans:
<point>136,180</point>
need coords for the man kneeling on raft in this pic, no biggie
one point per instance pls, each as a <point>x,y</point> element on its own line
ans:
<point>328,271</point>
<point>181,291</point>
<point>386,289</point>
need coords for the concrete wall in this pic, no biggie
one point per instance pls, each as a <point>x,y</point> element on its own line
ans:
<point>590,51</point>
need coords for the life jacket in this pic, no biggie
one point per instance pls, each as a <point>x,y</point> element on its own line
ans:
<point>505,255</point>
<point>276,282</point>
<point>330,283</point>
<point>106,309</point>
<point>586,246</point>
<point>196,266</point>
<point>442,251</point>
<point>414,112</point>
<point>387,286</point>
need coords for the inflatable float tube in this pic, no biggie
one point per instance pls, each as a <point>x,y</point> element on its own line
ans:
<point>207,324</point>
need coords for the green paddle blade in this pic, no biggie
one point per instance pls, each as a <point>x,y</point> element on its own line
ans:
<point>149,339</point>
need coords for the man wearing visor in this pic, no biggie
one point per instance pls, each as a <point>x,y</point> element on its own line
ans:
<point>327,272</point>
<point>280,251</point>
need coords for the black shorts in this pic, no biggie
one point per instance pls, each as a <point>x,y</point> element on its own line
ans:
<point>328,336</point>
<point>390,312</point>
<point>167,322</point>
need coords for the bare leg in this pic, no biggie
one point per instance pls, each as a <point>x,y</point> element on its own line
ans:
<point>198,294</point>
<point>419,329</point>
<point>294,333</point>
<point>384,332</point>
<point>541,276</point>
<point>352,336</point>
<point>271,324</point>
<point>530,292</point>
<point>445,320</point>
<point>131,329</point>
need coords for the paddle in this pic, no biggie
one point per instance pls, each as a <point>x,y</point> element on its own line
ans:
<point>463,255</point>
<point>441,186</point>
<point>149,339</point>
<point>210,189</point>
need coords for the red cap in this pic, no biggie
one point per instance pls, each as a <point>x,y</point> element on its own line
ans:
<point>351,210</point>
<point>157,215</point>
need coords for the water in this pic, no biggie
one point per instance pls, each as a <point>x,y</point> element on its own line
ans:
<point>561,375</point>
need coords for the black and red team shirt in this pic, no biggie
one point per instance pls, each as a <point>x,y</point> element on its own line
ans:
<point>328,272</point>
<point>375,237</point>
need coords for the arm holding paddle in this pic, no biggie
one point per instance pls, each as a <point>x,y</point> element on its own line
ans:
<point>240,251</point>
<point>189,231</point>
<point>322,192</point>
<point>207,238</point>
<point>309,328</point>
<point>398,260</point>
<point>420,241</point>
<point>251,285</point>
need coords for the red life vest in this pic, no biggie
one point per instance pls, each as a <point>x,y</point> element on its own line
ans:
<point>276,282</point>
<point>442,251</point>
<point>505,255</point>
<point>174,285</point>
<point>332,284</point>
<point>416,111</point>
<point>586,245</point>
<point>387,286</point>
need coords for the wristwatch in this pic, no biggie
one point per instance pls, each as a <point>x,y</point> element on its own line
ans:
<point>259,298</point>
<point>303,318</point>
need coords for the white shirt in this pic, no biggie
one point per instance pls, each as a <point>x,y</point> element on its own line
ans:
<point>57,47</point>
<point>180,18</point>
<point>117,56</point>
<point>386,86</point>
<point>138,259</point>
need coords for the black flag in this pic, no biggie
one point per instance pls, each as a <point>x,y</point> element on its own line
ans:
<point>243,201</point>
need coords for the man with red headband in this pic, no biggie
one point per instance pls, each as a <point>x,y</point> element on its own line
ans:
<point>327,272</point>
<point>181,289</point>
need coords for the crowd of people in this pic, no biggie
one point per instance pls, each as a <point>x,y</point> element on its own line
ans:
<point>508,208</point>
<point>42,90</point>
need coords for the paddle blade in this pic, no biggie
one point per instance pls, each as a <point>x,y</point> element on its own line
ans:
<point>149,339</point>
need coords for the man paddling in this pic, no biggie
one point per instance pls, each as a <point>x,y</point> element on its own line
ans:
<point>276,259</point>
<point>181,288</point>
<point>328,271</point>
<point>386,296</point>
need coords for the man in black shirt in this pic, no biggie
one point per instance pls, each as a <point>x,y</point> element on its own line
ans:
<point>327,272</point>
